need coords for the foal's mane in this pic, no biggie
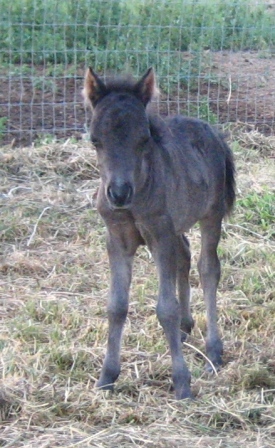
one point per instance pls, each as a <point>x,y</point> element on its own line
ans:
<point>124,83</point>
<point>128,84</point>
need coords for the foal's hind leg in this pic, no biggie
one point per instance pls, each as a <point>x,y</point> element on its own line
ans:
<point>183,268</point>
<point>209,270</point>
<point>122,242</point>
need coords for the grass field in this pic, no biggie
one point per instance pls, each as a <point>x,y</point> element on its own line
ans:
<point>116,34</point>
<point>54,281</point>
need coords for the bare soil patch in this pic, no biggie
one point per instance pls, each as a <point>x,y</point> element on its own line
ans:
<point>247,79</point>
<point>237,86</point>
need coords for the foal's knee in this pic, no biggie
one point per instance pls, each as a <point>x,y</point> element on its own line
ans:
<point>209,267</point>
<point>117,312</point>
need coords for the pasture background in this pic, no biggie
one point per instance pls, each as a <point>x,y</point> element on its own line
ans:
<point>214,59</point>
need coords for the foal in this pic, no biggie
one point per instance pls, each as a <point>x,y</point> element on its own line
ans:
<point>158,178</point>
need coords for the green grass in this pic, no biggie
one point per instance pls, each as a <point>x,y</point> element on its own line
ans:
<point>3,125</point>
<point>259,210</point>
<point>123,34</point>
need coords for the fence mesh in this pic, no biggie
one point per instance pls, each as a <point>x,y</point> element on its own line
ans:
<point>213,58</point>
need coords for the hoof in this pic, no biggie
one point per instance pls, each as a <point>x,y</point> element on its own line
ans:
<point>210,370</point>
<point>186,328</point>
<point>214,352</point>
<point>105,386</point>
<point>184,394</point>
<point>183,336</point>
<point>107,378</point>
<point>214,366</point>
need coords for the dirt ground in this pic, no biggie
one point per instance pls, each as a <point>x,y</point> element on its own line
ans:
<point>239,87</point>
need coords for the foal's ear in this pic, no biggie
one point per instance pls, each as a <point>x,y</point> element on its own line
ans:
<point>94,88</point>
<point>146,87</point>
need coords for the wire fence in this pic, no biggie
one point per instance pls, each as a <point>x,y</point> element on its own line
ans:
<point>214,59</point>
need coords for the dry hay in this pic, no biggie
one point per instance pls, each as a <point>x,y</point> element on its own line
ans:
<point>54,281</point>
<point>249,137</point>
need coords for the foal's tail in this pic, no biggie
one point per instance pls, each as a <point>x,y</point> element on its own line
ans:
<point>230,184</point>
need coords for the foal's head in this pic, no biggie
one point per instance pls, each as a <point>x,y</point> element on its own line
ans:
<point>120,132</point>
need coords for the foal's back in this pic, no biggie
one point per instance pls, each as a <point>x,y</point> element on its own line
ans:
<point>195,163</point>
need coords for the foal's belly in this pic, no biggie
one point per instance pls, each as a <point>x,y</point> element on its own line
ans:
<point>184,217</point>
<point>162,225</point>
<point>182,227</point>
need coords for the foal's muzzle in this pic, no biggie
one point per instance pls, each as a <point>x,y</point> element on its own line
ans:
<point>120,195</point>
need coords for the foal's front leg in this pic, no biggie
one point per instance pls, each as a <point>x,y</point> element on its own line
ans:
<point>169,310</point>
<point>121,245</point>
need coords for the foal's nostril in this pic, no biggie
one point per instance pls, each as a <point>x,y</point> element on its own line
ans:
<point>120,195</point>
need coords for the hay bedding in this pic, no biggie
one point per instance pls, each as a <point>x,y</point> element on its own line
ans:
<point>54,281</point>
